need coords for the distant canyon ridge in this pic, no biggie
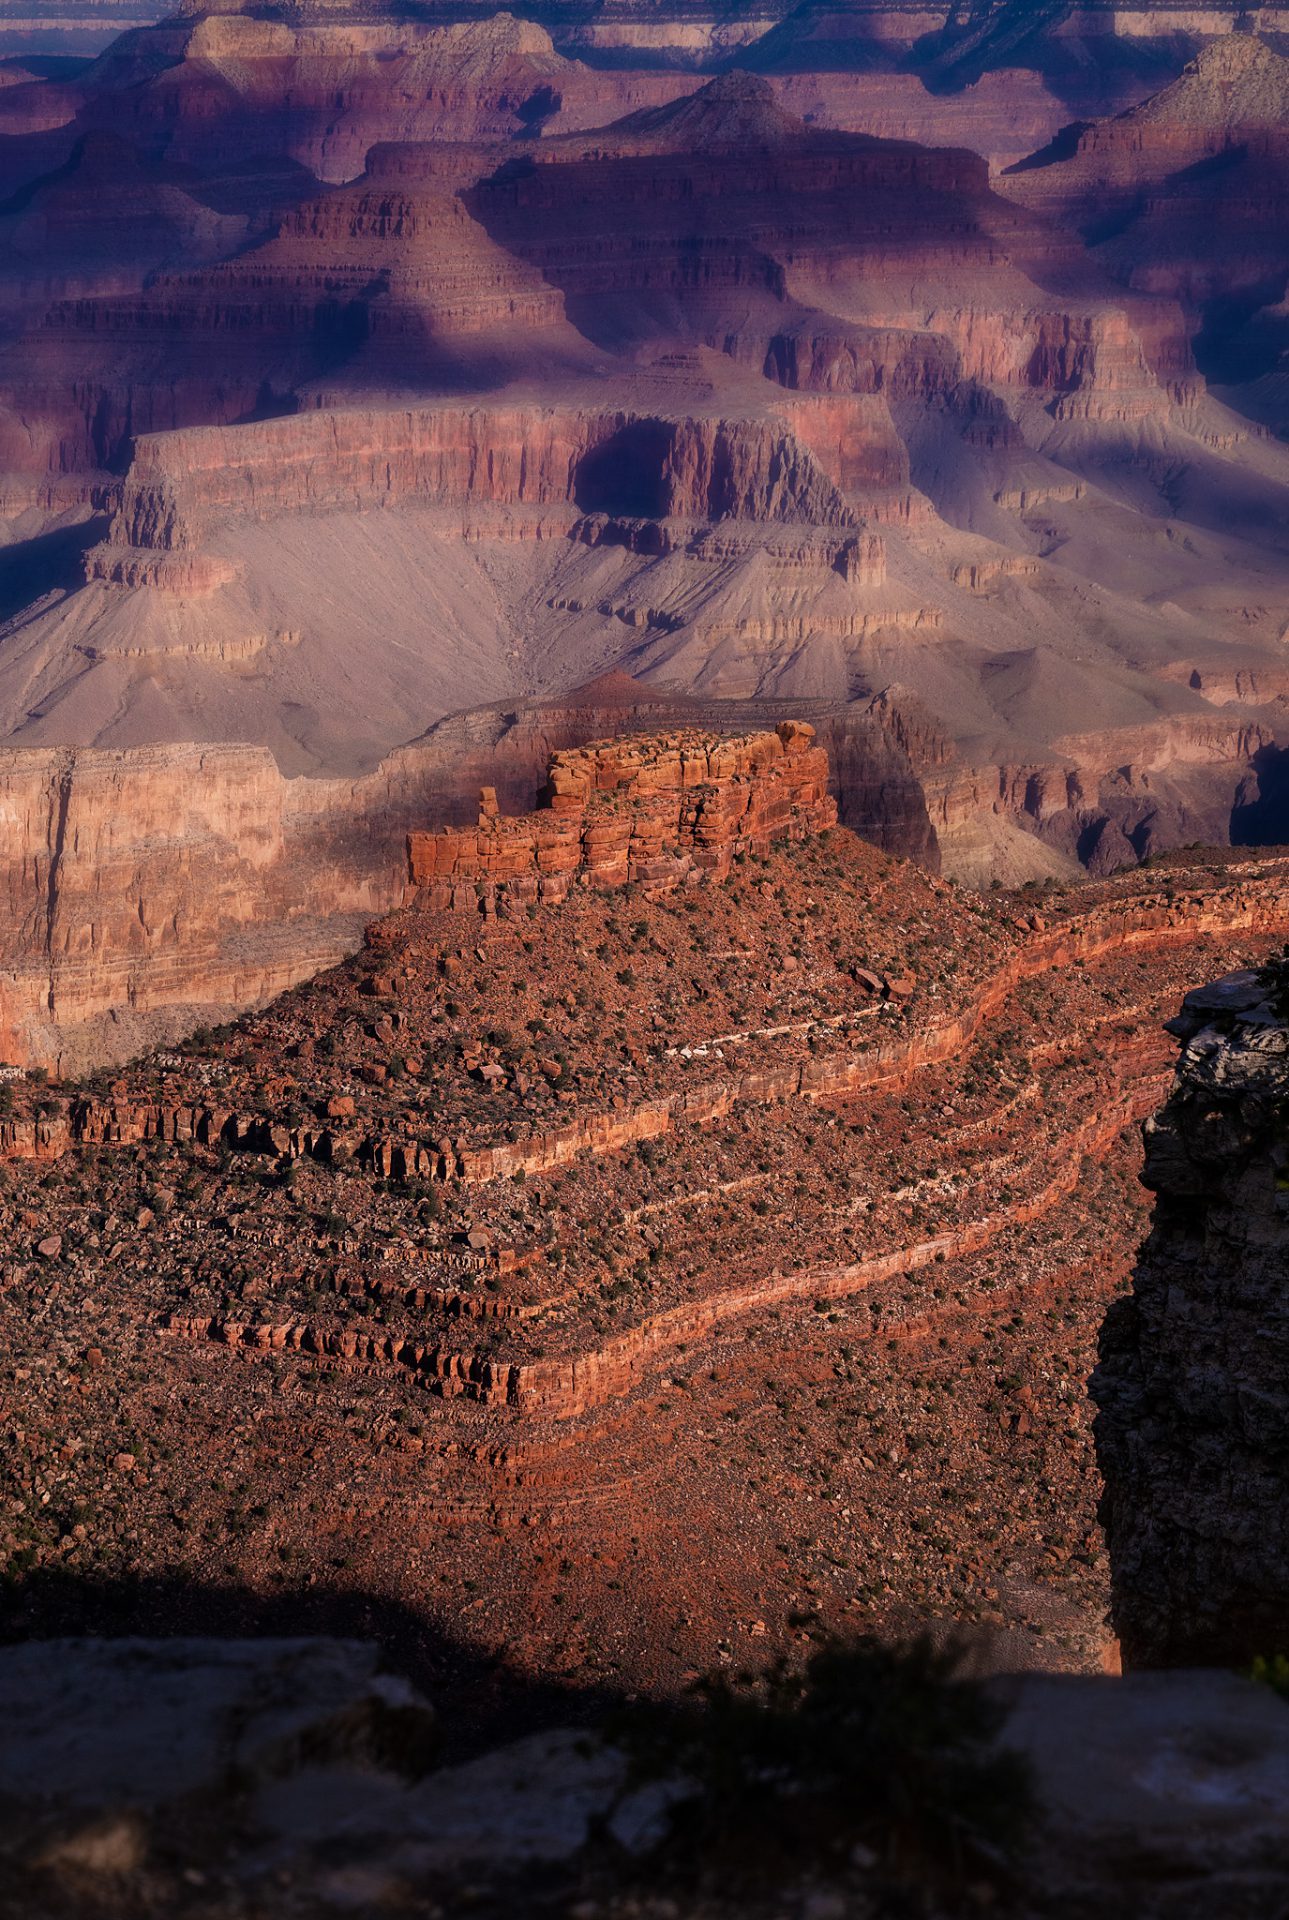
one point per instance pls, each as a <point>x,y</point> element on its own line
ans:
<point>686,33</point>
<point>390,398</point>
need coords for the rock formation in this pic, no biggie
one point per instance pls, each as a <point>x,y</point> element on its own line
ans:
<point>1191,1385</point>
<point>582,1242</point>
<point>654,814</point>
<point>132,920</point>
<point>461,361</point>
<point>1185,195</point>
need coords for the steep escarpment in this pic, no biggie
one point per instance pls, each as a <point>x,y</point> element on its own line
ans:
<point>102,223</point>
<point>508,456</point>
<point>1191,1383</point>
<point>1231,97</point>
<point>806,218</point>
<point>196,90</point>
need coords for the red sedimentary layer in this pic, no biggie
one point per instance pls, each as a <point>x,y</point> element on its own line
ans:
<point>563,1389</point>
<point>1256,904</point>
<point>648,814</point>
<point>566,1387</point>
<point>746,223</point>
<point>624,1338</point>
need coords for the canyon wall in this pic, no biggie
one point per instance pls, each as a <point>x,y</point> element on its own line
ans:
<point>160,888</point>
<point>1193,1381</point>
<point>146,888</point>
<point>516,455</point>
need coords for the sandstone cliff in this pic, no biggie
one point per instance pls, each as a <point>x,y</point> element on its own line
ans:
<point>652,814</point>
<point>1193,1428</point>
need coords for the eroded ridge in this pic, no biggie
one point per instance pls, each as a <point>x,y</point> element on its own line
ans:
<point>719,1234</point>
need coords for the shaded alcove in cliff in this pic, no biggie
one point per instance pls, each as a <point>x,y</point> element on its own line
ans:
<point>1260,815</point>
<point>626,473</point>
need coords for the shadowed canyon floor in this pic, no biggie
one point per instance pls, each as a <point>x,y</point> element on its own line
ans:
<point>617,1283</point>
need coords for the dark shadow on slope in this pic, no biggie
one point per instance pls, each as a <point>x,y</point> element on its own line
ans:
<point>874,1768</point>
<point>51,563</point>
<point>1063,145</point>
<point>482,1700</point>
<point>1106,72</point>
<point>49,66</point>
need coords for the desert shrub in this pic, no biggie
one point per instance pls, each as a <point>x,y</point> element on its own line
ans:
<point>865,1747</point>
<point>1273,1671</point>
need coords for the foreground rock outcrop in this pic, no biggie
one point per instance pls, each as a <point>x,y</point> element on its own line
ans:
<point>1193,1385</point>
<point>281,1776</point>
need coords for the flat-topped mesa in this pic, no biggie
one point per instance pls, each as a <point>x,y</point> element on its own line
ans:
<point>656,813</point>
<point>800,465</point>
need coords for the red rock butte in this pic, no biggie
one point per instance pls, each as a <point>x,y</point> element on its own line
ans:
<point>652,813</point>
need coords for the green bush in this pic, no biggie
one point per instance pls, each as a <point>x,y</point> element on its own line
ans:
<point>1273,1671</point>
<point>865,1746</point>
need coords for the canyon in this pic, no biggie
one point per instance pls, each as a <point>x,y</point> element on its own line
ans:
<point>466,363</point>
<point>676,1241</point>
<point>645,978</point>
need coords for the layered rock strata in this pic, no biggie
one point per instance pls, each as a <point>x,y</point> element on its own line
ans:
<point>733,219</point>
<point>697,466</point>
<point>651,815</point>
<point>1193,1428</point>
<point>751,436</point>
<point>827,1175</point>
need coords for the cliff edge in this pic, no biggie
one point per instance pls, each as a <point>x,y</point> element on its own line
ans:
<point>1193,1381</point>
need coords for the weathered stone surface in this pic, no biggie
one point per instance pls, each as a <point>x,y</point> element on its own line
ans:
<point>291,1774</point>
<point>1174,1785</point>
<point>651,813</point>
<point>107,1725</point>
<point>1193,1385</point>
